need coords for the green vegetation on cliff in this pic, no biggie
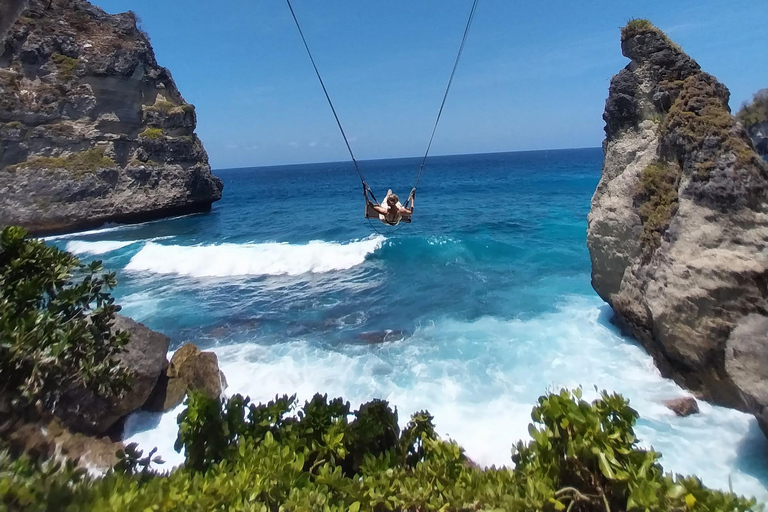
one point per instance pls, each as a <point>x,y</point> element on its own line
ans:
<point>657,194</point>
<point>79,163</point>
<point>151,133</point>
<point>64,65</point>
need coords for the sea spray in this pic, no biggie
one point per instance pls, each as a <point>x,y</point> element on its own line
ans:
<point>480,380</point>
<point>95,248</point>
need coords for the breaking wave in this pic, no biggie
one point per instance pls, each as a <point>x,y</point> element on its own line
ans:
<point>261,259</point>
<point>102,247</point>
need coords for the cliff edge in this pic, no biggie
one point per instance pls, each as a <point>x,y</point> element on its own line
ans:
<point>92,129</point>
<point>678,229</point>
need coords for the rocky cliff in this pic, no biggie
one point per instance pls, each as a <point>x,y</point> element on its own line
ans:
<point>678,230</point>
<point>92,129</point>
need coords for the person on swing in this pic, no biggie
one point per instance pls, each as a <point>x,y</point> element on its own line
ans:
<point>390,211</point>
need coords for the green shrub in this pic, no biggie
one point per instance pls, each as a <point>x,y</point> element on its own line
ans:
<point>55,326</point>
<point>582,457</point>
<point>151,133</point>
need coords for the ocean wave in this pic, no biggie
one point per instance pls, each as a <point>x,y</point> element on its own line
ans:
<point>262,259</point>
<point>480,380</point>
<point>100,247</point>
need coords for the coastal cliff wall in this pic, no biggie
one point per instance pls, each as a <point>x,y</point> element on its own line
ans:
<point>678,228</point>
<point>92,129</point>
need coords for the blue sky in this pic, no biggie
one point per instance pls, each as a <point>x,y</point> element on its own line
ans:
<point>534,74</point>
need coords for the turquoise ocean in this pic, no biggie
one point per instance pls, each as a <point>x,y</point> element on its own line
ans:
<point>473,311</point>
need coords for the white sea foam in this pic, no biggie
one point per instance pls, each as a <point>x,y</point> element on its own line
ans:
<point>480,379</point>
<point>253,259</point>
<point>100,247</point>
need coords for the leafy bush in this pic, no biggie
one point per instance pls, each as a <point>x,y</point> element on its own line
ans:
<point>55,328</point>
<point>269,457</point>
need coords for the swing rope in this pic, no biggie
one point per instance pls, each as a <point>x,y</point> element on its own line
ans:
<point>366,189</point>
<point>447,89</point>
<point>330,103</point>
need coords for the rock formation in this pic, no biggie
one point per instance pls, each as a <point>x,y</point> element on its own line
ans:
<point>678,228</point>
<point>190,370</point>
<point>92,129</point>
<point>144,357</point>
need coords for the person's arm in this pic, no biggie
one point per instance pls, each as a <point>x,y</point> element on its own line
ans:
<point>409,211</point>
<point>379,209</point>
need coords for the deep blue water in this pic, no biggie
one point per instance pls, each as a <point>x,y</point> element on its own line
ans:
<point>485,297</point>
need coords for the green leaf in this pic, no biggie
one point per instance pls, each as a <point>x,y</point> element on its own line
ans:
<point>605,466</point>
<point>354,507</point>
<point>690,500</point>
<point>676,492</point>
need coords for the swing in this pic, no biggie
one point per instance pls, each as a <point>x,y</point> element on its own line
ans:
<point>370,199</point>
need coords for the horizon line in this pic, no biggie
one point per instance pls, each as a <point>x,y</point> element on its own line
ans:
<point>400,158</point>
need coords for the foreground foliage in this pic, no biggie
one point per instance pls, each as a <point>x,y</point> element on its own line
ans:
<point>55,328</point>
<point>246,457</point>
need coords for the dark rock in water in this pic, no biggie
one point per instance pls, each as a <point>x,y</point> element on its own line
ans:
<point>190,369</point>
<point>224,329</point>
<point>92,129</point>
<point>144,357</point>
<point>679,224</point>
<point>375,337</point>
<point>684,406</point>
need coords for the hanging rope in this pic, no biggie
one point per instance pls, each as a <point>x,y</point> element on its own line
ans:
<point>366,189</point>
<point>447,89</point>
<point>330,103</point>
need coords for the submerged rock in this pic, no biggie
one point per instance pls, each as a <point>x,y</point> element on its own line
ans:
<point>684,406</point>
<point>678,227</point>
<point>190,369</point>
<point>92,129</point>
<point>386,336</point>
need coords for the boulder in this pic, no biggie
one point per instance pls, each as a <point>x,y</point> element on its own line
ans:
<point>679,224</point>
<point>144,357</point>
<point>190,369</point>
<point>684,406</point>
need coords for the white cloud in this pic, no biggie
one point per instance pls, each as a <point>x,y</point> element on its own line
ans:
<point>313,144</point>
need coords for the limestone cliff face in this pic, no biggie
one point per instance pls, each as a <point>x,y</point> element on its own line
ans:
<point>678,230</point>
<point>92,129</point>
